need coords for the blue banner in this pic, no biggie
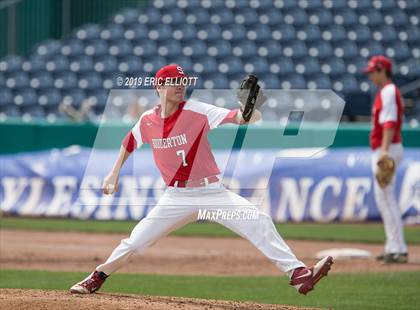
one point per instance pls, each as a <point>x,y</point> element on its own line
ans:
<point>333,185</point>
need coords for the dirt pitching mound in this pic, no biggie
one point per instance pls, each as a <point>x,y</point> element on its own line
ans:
<point>18,299</point>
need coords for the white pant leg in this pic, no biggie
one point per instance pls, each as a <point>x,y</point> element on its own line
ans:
<point>168,215</point>
<point>388,206</point>
<point>261,232</point>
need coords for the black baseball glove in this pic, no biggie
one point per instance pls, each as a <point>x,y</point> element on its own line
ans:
<point>250,96</point>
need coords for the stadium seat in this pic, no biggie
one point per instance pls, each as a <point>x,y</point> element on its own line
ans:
<point>81,64</point>
<point>58,63</point>
<point>396,18</point>
<point>269,81</point>
<point>125,17</point>
<point>90,81</point>
<point>184,32</point>
<point>105,64</point>
<point>256,65</point>
<point>385,34</point>
<point>197,16</point>
<point>16,80</point>
<point>149,16</point>
<point>286,4</point>
<point>112,32</point>
<point>307,66</point>
<point>49,98</point>
<point>184,61</point>
<point>359,33</point>
<point>309,33</point>
<point>96,48</point>
<point>398,51</point>
<point>221,17</point>
<point>295,49</point>
<point>208,32</point>
<point>346,84</point>
<point>371,49</point>
<point>41,79</point>
<point>333,66</point>
<point>282,66</point>
<point>219,48</point>
<point>169,48</point>
<point>87,32</point>
<point>74,97</point>
<point>244,48</point>
<point>160,32</point>
<point>284,33</point>
<point>25,97</point>
<point>334,34</point>
<point>120,48</point>
<point>65,80</point>
<point>215,81</point>
<point>131,64</point>
<point>34,63</point>
<point>270,49</point>
<point>231,65</point>
<point>144,48</point>
<point>269,16</point>
<point>293,81</point>
<point>234,32</point>
<point>206,64</point>
<point>6,97</point>
<point>319,81</point>
<point>346,50</point>
<point>259,33</point>
<point>172,16</point>
<point>48,48</point>
<point>72,47</point>
<point>194,48</point>
<point>246,17</point>
<point>295,17</point>
<point>345,17</point>
<point>10,64</point>
<point>372,18</point>
<point>321,18</point>
<point>320,49</point>
<point>153,63</point>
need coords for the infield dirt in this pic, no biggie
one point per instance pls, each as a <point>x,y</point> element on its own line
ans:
<point>15,299</point>
<point>73,251</point>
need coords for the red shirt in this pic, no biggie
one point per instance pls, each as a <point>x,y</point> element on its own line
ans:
<point>387,112</point>
<point>180,146</point>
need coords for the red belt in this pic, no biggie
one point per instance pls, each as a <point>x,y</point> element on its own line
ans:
<point>194,183</point>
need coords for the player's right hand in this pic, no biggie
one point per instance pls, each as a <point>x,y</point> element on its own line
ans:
<point>110,184</point>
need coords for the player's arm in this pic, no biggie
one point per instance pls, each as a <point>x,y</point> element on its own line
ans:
<point>388,117</point>
<point>131,141</point>
<point>387,136</point>
<point>110,183</point>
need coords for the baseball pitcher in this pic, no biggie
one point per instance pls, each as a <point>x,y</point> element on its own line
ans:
<point>386,144</point>
<point>177,133</point>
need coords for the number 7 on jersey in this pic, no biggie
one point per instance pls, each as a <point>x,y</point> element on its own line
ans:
<point>184,159</point>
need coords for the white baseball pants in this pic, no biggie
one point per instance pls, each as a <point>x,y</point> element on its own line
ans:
<point>179,206</point>
<point>387,204</point>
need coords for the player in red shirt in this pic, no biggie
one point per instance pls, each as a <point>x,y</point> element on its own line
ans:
<point>177,133</point>
<point>385,139</point>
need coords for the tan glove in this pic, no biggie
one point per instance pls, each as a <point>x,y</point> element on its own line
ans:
<point>385,170</point>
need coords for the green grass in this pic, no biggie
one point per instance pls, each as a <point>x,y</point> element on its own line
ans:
<point>366,233</point>
<point>397,290</point>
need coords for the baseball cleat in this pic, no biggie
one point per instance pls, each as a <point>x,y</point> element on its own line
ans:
<point>89,285</point>
<point>396,258</point>
<point>305,278</point>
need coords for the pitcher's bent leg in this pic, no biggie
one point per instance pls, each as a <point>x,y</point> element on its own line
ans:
<point>158,223</point>
<point>261,232</point>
